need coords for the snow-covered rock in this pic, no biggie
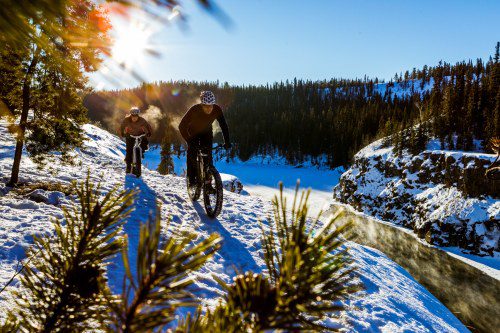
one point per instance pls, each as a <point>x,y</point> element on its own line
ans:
<point>48,197</point>
<point>231,183</point>
<point>442,195</point>
<point>392,299</point>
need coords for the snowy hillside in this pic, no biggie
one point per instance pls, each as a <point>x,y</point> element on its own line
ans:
<point>393,89</point>
<point>392,302</point>
<point>404,88</point>
<point>442,195</point>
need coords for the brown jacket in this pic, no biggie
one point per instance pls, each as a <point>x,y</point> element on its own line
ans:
<point>135,128</point>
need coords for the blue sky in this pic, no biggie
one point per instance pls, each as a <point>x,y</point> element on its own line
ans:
<point>276,40</point>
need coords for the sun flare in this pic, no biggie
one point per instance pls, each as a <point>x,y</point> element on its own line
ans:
<point>131,43</point>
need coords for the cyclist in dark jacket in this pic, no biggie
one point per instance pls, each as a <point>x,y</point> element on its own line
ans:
<point>196,129</point>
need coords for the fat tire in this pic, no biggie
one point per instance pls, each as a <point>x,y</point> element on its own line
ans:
<point>137,170</point>
<point>213,212</point>
<point>195,193</point>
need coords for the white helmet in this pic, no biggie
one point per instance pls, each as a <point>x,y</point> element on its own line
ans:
<point>135,111</point>
<point>207,97</point>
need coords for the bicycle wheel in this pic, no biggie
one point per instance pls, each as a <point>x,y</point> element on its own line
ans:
<point>138,163</point>
<point>213,192</point>
<point>195,190</point>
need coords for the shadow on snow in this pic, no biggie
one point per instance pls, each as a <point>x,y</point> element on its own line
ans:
<point>237,258</point>
<point>144,207</point>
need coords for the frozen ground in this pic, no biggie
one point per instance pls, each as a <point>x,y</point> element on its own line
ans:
<point>262,178</point>
<point>392,302</point>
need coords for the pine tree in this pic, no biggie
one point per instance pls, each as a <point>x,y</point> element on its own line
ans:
<point>56,42</point>
<point>421,138</point>
<point>11,71</point>
<point>166,165</point>
<point>53,80</point>
<point>24,17</point>
<point>493,125</point>
<point>63,280</point>
<point>471,111</point>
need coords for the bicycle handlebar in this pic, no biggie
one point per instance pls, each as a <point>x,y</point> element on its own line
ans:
<point>137,136</point>
<point>219,146</point>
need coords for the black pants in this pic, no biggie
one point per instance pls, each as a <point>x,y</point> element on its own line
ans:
<point>130,142</point>
<point>201,141</point>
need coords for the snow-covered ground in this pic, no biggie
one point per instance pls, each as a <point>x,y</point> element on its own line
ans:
<point>392,302</point>
<point>262,176</point>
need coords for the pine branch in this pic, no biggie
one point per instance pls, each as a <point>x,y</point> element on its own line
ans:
<point>219,320</point>
<point>310,273</point>
<point>310,268</point>
<point>62,285</point>
<point>164,272</point>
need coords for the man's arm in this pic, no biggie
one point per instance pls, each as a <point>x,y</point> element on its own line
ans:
<point>225,130</point>
<point>184,124</point>
<point>149,130</point>
<point>122,127</point>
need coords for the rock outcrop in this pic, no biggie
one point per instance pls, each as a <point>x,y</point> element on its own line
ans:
<point>442,195</point>
<point>231,183</point>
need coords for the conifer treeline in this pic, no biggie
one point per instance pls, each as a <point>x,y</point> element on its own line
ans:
<point>328,121</point>
<point>463,106</point>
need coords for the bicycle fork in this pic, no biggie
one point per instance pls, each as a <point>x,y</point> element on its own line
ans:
<point>134,152</point>
<point>201,162</point>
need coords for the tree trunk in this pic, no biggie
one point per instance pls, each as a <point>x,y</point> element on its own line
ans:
<point>14,178</point>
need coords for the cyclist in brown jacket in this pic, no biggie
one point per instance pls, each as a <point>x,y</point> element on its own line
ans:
<point>134,124</point>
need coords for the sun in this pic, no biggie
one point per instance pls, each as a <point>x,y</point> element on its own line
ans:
<point>131,43</point>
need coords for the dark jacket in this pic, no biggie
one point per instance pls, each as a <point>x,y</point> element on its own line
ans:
<point>196,122</point>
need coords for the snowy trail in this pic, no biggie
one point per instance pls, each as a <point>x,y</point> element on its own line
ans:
<point>392,301</point>
<point>262,179</point>
<point>236,255</point>
<point>144,206</point>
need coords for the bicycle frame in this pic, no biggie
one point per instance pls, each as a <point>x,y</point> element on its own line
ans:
<point>137,144</point>
<point>200,155</point>
<point>212,192</point>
